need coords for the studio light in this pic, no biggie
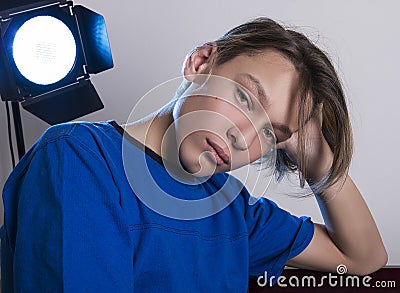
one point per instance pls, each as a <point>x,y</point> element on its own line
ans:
<point>44,58</point>
<point>48,49</point>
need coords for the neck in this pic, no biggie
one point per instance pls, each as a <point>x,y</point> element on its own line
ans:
<point>157,132</point>
<point>151,130</point>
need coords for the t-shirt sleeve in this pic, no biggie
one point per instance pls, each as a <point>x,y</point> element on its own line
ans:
<point>64,228</point>
<point>275,236</point>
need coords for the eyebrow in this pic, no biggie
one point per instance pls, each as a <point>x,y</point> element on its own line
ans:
<point>254,83</point>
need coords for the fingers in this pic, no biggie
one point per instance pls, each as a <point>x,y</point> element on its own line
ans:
<point>288,143</point>
<point>281,145</point>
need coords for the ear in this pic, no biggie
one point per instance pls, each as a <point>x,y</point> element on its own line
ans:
<point>199,60</point>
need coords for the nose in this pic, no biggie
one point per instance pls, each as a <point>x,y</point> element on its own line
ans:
<point>242,139</point>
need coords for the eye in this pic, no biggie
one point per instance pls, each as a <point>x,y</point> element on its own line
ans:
<point>269,134</point>
<point>243,98</point>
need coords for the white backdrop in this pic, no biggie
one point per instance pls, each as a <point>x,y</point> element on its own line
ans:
<point>150,39</point>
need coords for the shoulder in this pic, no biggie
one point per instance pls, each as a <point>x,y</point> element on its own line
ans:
<point>260,211</point>
<point>253,207</point>
<point>82,131</point>
<point>93,137</point>
<point>59,143</point>
<point>250,201</point>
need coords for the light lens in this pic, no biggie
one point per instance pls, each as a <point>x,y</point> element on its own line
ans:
<point>44,50</point>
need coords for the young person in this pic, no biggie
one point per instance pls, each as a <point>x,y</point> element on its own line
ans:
<point>150,207</point>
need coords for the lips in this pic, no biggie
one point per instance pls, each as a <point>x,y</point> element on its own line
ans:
<point>218,152</point>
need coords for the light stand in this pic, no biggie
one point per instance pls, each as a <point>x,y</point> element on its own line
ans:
<point>19,135</point>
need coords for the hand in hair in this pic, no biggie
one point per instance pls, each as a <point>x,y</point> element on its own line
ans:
<point>318,153</point>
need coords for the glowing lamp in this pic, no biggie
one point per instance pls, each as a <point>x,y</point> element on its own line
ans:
<point>48,49</point>
<point>44,58</point>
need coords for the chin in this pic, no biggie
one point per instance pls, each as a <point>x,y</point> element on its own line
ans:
<point>187,164</point>
<point>198,169</point>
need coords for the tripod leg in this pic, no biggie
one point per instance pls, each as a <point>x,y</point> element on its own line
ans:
<point>18,128</point>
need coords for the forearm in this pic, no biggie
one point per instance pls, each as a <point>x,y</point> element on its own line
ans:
<point>351,226</point>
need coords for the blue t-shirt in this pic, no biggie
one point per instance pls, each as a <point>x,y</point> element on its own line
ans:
<point>73,223</point>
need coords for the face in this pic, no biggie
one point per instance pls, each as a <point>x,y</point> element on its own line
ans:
<point>236,116</point>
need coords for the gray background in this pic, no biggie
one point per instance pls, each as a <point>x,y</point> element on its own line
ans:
<point>150,39</point>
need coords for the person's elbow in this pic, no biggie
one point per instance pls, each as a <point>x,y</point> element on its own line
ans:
<point>372,262</point>
<point>379,261</point>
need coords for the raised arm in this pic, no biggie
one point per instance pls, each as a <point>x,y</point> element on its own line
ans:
<point>350,235</point>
